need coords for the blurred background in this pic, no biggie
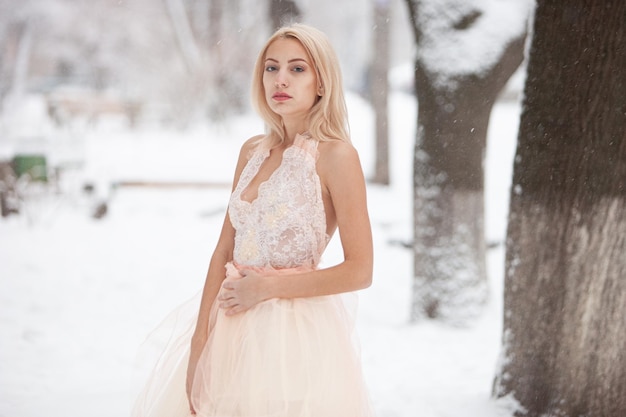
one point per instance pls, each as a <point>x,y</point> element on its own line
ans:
<point>174,62</point>
<point>120,125</point>
<point>72,68</point>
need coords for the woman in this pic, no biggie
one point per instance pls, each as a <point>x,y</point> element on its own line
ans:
<point>273,337</point>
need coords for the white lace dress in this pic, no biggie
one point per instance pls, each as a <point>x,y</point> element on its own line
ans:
<point>283,357</point>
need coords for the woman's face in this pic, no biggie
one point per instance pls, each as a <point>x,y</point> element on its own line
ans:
<point>289,79</point>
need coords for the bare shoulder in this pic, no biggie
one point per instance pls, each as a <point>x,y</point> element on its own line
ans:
<point>244,154</point>
<point>249,145</point>
<point>337,153</point>
<point>339,166</point>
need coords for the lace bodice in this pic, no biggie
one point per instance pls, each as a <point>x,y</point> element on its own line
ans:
<point>285,226</point>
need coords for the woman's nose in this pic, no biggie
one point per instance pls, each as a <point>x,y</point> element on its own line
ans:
<point>281,80</point>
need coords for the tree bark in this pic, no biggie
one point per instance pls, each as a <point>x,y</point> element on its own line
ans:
<point>379,90</point>
<point>450,281</point>
<point>564,334</point>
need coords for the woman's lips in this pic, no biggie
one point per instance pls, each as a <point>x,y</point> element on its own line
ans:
<point>281,96</point>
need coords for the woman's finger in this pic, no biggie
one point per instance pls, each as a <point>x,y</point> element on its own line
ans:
<point>228,285</point>
<point>227,303</point>
<point>236,309</point>
<point>226,296</point>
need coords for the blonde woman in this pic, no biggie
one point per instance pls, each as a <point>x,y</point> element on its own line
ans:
<point>273,337</point>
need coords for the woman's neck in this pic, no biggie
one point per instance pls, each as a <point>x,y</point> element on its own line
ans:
<point>292,128</point>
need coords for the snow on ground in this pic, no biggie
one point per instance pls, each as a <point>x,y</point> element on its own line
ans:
<point>78,295</point>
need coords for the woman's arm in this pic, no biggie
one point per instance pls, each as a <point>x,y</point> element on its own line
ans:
<point>216,273</point>
<point>342,178</point>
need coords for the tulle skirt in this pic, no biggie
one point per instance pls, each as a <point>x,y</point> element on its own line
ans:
<point>282,358</point>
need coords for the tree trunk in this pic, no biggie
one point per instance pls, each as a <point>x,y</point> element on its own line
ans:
<point>184,35</point>
<point>216,12</point>
<point>22,60</point>
<point>379,89</point>
<point>449,244</point>
<point>564,333</point>
<point>283,12</point>
<point>13,86</point>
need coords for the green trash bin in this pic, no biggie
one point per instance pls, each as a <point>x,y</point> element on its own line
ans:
<point>32,164</point>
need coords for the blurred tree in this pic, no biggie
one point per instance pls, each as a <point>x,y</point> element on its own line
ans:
<point>235,38</point>
<point>564,333</point>
<point>466,52</point>
<point>19,48</point>
<point>283,12</point>
<point>184,60</point>
<point>16,44</point>
<point>379,89</point>
<point>185,38</point>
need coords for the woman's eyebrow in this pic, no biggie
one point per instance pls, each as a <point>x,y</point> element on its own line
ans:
<point>290,61</point>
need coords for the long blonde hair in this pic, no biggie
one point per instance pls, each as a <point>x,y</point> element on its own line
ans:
<point>328,118</point>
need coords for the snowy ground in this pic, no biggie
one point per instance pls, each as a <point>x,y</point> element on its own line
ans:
<point>78,295</point>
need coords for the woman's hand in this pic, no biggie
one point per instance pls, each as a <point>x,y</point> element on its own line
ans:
<point>240,293</point>
<point>197,345</point>
<point>190,376</point>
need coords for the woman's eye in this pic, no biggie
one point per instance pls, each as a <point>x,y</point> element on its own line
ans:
<point>298,69</point>
<point>270,68</point>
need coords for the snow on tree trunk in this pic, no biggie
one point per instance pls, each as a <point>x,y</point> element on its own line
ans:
<point>564,336</point>
<point>466,51</point>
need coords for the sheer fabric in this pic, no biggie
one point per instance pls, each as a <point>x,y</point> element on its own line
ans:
<point>283,357</point>
<point>285,226</point>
